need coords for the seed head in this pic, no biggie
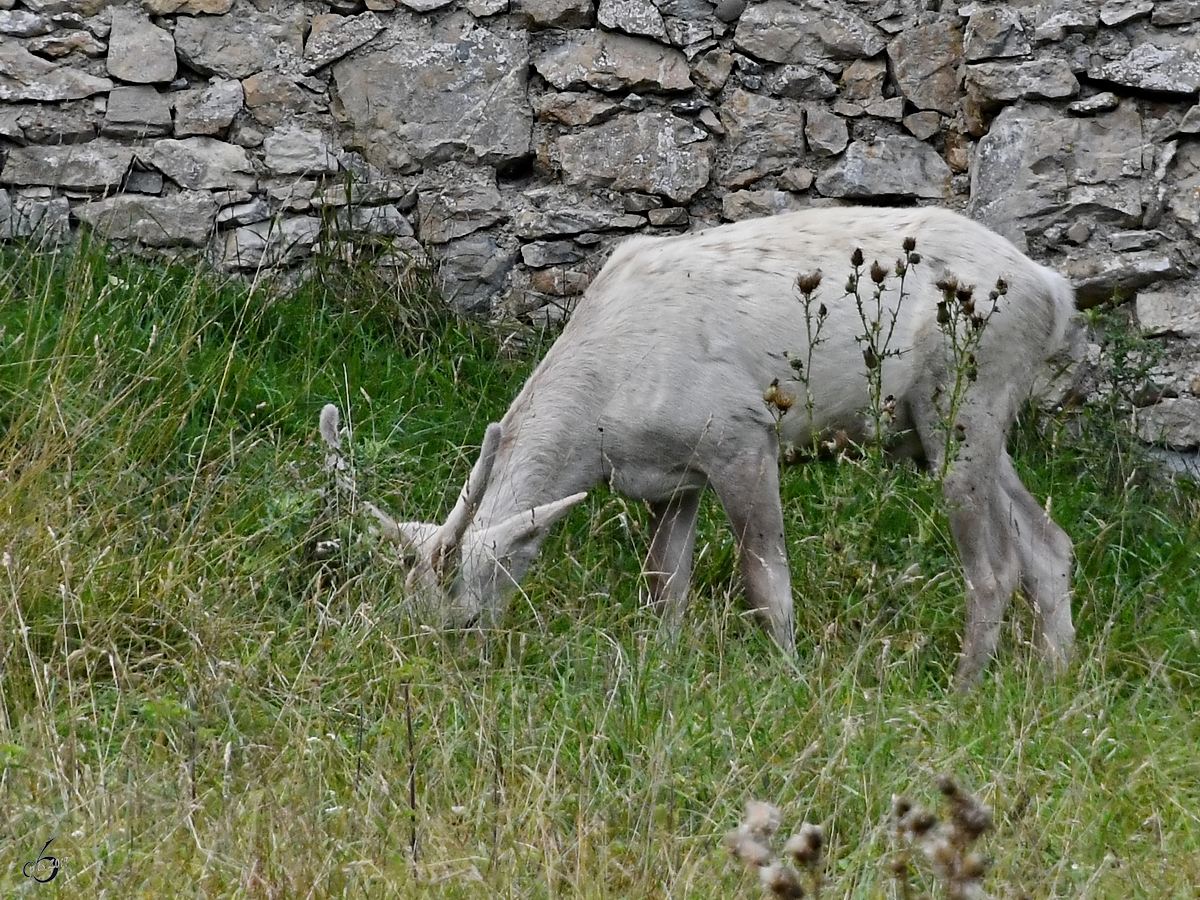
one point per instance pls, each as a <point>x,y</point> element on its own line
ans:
<point>878,272</point>
<point>806,844</point>
<point>781,881</point>
<point>856,258</point>
<point>947,284</point>
<point>910,244</point>
<point>809,282</point>
<point>762,819</point>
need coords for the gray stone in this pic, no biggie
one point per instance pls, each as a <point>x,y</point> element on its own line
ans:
<point>24,24</point>
<point>482,8</point>
<point>738,205</point>
<point>553,13</point>
<point>764,136</point>
<point>1169,312</point>
<point>923,125</point>
<point>796,179</point>
<point>1184,200</point>
<point>384,220</point>
<point>1118,12</point>
<point>67,42</point>
<point>651,151</point>
<point>797,82</point>
<point>612,62</point>
<point>208,110</point>
<point>1154,66</point>
<point>1191,121</point>
<point>894,166</point>
<point>712,70</point>
<point>632,17</point>
<point>1175,12</point>
<point>181,220</point>
<point>137,112</point>
<point>562,211</point>
<point>187,7</point>
<point>247,213</point>
<point>1054,24</point>
<point>1123,241</point>
<point>68,123</point>
<point>42,219</point>
<point>807,31</point>
<point>827,133</point>
<point>730,10</point>
<point>573,108</point>
<point>925,60</point>
<point>669,216</point>
<point>1108,277</point>
<point>994,33</point>
<point>139,51</point>
<point>333,37</point>
<point>996,83</point>
<point>141,182</point>
<point>862,80</point>
<point>273,98</point>
<point>200,163</point>
<point>423,6</point>
<point>25,78</point>
<point>298,151</point>
<point>540,254</point>
<point>1105,101</point>
<point>1035,168</point>
<point>96,166</point>
<point>273,243</point>
<point>473,270</point>
<point>403,116</point>
<point>1174,421</point>
<point>237,46</point>
<point>458,207</point>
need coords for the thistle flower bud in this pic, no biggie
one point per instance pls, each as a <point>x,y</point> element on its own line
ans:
<point>914,259</point>
<point>797,364</point>
<point>971,369</point>
<point>822,311</point>
<point>771,392</point>
<point>901,268</point>
<point>857,258</point>
<point>878,272</point>
<point>1001,285</point>
<point>851,284</point>
<point>870,357</point>
<point>943,313</point>
<point>910,244</point>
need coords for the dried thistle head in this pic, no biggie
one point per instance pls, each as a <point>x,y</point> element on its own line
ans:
<point>947,284</point>
<point>747,848</point>
<point>762,819</point>
<point>781,881</point>
<point>806,845</point>
<point>878,272</point>
<point>910,244</point>
<point>857,258</point>
<point>808,283</point>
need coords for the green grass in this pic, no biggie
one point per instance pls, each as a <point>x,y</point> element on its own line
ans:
<point>193,705</point>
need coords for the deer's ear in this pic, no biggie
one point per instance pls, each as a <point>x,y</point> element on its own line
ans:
<point>525,531</point>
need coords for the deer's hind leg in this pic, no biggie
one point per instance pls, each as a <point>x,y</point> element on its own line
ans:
<point>1046,559</point>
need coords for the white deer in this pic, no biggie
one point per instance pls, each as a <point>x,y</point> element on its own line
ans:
<point>655,387</point>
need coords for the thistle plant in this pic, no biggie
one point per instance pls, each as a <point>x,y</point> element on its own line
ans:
<point>947,844</point>
<point>878,323</point>
<point>751,843</point>
<point>963,323</point>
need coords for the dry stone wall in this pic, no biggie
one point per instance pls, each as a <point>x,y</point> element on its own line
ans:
<point>517,140</point>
